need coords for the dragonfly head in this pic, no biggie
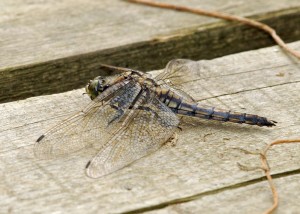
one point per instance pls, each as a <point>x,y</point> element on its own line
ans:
<point>96,87</point>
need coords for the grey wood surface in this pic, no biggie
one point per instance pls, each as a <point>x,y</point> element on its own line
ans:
<point>61,43</point>
<point>202,164</point>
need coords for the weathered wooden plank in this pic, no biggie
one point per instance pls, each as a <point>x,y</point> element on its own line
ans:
<point>235,199</point>
<point>203,162</point>
<point>61,43</point>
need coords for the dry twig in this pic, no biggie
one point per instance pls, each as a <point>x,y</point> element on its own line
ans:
<point>224,16</point>
<point>265,166</point>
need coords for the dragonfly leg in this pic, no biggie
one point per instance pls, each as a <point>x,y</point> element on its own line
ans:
<point>172,140</point>
<point>119,113</point>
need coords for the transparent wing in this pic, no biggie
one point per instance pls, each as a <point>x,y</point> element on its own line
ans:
<point>148,127</point>
<point>94,124</point>
<point>173,76</point>
<point>173,69</point>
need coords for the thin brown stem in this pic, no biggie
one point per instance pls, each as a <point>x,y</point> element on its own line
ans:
<point>265,165</point>
<point>224,16</point>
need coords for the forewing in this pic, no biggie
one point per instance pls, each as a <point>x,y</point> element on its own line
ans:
<point>147,129</point>
<point>94,124</point>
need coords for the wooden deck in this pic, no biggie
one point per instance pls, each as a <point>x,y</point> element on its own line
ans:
<point>201,169</point>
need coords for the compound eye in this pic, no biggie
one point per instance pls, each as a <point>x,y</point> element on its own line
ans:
<point>100,87</point>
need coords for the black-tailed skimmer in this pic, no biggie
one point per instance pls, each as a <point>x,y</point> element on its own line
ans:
<point>130,116</point>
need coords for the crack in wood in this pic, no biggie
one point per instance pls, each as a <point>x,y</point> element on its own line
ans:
<point>232,74</point>
<point>247,90</point>
<point>211,192</point>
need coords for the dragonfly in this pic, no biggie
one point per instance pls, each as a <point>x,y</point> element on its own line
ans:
<point>130,115</point>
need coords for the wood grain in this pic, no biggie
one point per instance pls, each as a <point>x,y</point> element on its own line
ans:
<point>50,47</point>
<point>202,165</point>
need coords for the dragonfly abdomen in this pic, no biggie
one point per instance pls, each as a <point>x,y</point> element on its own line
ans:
<point>180,105</point>
<point>212,113</point>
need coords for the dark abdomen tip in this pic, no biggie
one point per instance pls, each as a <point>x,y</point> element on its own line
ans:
<point>268,123</point>
<point>262,121</point>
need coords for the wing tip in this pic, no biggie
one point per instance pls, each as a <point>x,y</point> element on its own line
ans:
<point>89,173</point>
<point>88,164</point>
<point>40,138</point>
<point>92,173</point>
